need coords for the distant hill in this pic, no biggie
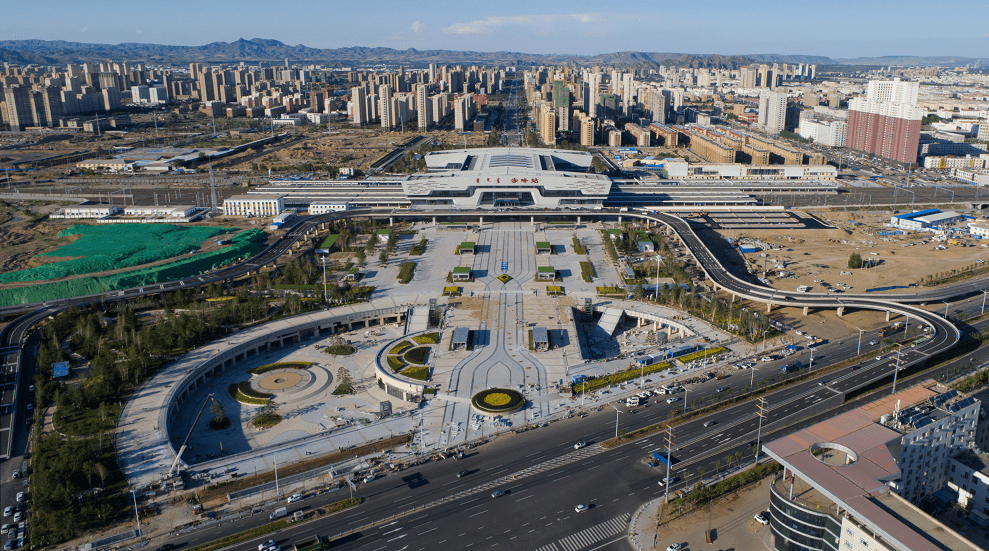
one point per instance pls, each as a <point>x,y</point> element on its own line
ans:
<point>58,52</point>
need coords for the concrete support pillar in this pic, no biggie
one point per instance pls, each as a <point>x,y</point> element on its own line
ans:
<point>806,309</point>
<point>578,220</point>
<point>655,326</point>
<point>887,315</point>
<point>480,221</point>
<point>638,322</point>
<point>434,220</point>
<point>619,219</point>
<point>733,298</point>
<point>841,311</point>
<point>769,307</point>
<point>532,220</point>
<point>391,220</point>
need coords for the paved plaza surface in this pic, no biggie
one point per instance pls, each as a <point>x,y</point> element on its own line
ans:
<point>499,314</point>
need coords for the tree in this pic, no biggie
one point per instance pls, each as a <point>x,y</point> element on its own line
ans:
<point>855,261</point>
<point>220,420</point>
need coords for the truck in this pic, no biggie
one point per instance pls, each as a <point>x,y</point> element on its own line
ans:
<point>661,457</point>
<point>791,367</point>
<point>278,513</point>
<point>632,401</point>
<point>803,289</point>
<point>315,544</point>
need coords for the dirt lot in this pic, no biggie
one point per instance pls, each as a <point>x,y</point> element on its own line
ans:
<point>730,519</point>
<point>816,254</point>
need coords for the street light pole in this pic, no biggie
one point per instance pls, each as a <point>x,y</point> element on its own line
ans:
<point>137,516</point>
<point>326,294</point>
<point>616,418</point>
<point>810,367</point>
<point>764,339</point>
<point>983,301</point>
<point>897,372</point>
<point>859,351</point>
<point>669,454</point>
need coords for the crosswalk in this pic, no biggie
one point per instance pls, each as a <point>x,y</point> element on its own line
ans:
<point>590,536</point>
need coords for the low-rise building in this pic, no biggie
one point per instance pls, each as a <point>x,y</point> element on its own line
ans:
<point>324,208</point>
<point>253,205</point>
<point>87,211</point>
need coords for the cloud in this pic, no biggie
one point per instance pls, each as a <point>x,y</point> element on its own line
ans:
<point>418,27</point>
<point>555,24</point>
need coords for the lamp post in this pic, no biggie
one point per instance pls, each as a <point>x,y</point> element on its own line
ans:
<point>326,294</point>
<point>583,393</point>
<point>616,418</point>
<point>764,339</point>
<point>669,454</point>
<point>136,515</point>
<point>762,412</point>
<point>897,368</point>
<point>945,309</point>
<point>984,301</point>
<point>685,399</point>
<point>810,366</point>
<point>859,351</point>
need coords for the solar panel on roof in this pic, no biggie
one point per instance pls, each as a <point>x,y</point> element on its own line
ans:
<point>940,399</point>
<point>961,404</point>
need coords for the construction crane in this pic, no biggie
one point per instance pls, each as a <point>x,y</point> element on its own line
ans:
<point>178,456</point>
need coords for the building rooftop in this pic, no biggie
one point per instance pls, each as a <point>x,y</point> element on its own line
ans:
<point>546,270</point>
<point>461,270</point>
<point>540,335</point>
<point>460,335</point>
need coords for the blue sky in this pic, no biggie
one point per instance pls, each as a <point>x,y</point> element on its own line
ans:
<point>835,29</point>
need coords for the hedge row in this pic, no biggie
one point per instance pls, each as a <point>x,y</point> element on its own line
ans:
<point>282,365</point>
<point>419,372</point>
<point>244,387</point>
<point>587,271</point>
<point>427,338</point>
<point>237,395</point>
<point>405,272</point>
<point>400,347</point>
<point>616,378</point>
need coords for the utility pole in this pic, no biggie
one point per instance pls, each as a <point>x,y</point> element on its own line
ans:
<point>137,515</point>
<point>212,187</point>
<point>897,371</point>
<point>669,459</point>
<point>274,458</point>
<point>761,407</point>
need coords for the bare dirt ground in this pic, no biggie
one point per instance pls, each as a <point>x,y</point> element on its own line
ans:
<point>730,519</point>
<point>813,254</point>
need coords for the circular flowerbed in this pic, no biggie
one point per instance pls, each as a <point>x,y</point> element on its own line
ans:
<point>498,400</point>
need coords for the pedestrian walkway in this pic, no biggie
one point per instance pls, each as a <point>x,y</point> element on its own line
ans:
<point>589,536</point>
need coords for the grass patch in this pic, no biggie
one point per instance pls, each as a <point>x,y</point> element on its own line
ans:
<point>617,378</point>
<point>427,338</point>
<point>587,271</point>
<point>266,420</point>
<point>329,242</point>
<point>417,355</point>
<point>504,278</point>
<point>400,347</point>
<point>578,247</point>
<point>452,291</point>
<point>72,421</point>
<point>340,350</point>
<point>418,372</point>
<point>405,272</point>
<point>343,388</point>
<point>554,290</point>
<point>419,248</point>
<point>395,363</point>
<point>708,353</point>
<point>611,292</point>
<point>283,365</point>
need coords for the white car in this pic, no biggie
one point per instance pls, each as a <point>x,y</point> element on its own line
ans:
<point>761,519</point>
<point>581,508</point>
<point>265,545</point>
<point>8,511</point>
<point>579,445</point>
<point>295,497</point>
<point>674,547</point>
<point>672,399</point>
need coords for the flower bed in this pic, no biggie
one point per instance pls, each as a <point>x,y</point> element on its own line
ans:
<point>418,372</point>
<point>617,378</point>
<point>427,338</point>
<point>417,355</point>
<point>395,363</point>
<point>398,348</point>
<point>340,350</point>
<point>498,400</point>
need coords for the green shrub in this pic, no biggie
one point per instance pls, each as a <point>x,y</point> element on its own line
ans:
<point>343,388</point>
<point>417,355</point>
<point>395,363</point>
<point>284,365</point>
<point>578,248</point>
<point>340,350</point>
<point>419,372</point>
<point>616,378</point>
<point>587,271</point>
<point>427,338</point>
<point>240,397</point>
<point>710,352</point>
<point>266,420</point>
<point>400,347</point>
<point>405,272</point>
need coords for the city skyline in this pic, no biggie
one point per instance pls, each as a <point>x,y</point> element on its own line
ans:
<point>843,31</point>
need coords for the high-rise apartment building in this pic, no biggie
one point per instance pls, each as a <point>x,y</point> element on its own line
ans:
<point>772,111</point>
<point>424,108</point>
<point>18,98</point>
<point>358,107</point>
<point>887,121</point>
<point>385,111</point>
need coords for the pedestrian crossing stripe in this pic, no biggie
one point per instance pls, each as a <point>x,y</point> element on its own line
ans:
<point>596,533</point>
<point>550,547</point>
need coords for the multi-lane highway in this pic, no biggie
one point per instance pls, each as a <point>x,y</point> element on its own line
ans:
<point>592,476</point>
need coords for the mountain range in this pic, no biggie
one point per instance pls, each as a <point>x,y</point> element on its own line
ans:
<point>58,52</point>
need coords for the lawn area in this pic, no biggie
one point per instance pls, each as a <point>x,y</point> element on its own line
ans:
<point>419,248</point>
<point>578,248</point>
<point>710,352</point>
<point>587,271</point>
<point>554,290</point>
<point>611,292</point>
<point>417,355</point>
<point>427,338</point>
<point>617,378</point>
<point>343,388</point>
<point>452,291</point>
<point>405,272</point>
<point>329,242</point>
<point>73,421</point>
<point>266,420</point>
<point>504,278</point>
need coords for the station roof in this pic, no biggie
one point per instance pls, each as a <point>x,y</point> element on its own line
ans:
<point>460,335</point>
<point>540,334</point>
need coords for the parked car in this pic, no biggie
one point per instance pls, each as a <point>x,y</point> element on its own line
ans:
<point>761,519</point>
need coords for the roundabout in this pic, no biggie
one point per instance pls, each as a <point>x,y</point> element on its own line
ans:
<point>495,401</point>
